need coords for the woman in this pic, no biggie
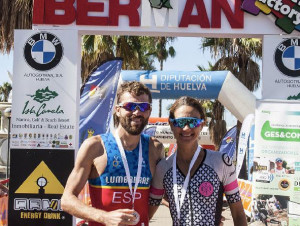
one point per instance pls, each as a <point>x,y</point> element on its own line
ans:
<point>194,179</point>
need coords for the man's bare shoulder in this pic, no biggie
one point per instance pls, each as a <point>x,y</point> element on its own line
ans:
<point>92,147</point>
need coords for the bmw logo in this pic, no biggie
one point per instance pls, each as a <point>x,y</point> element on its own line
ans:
<point>43,51</point>
<point>287,57</point>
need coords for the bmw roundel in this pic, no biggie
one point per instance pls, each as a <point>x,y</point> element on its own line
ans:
<point>43,51</point>
<point>287,57</point>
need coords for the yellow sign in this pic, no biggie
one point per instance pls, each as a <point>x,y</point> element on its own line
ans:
<point>41,178</point>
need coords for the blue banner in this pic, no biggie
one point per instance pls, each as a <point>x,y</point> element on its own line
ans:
<point>97,99</point>
<point>228,143</point>
<point>251,153</point>
<point>174,84</point>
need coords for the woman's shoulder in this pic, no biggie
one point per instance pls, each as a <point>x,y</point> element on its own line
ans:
<point>218,158</point>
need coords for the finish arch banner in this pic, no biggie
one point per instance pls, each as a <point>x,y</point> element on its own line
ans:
<point>213,18</point>
<point>221,85</point>
<point>174,84</point>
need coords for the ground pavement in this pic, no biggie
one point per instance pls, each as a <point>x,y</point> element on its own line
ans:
<point>162,217</point>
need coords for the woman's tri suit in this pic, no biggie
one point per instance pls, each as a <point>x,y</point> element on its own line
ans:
<point>110,191</point>
<point>203,201</point>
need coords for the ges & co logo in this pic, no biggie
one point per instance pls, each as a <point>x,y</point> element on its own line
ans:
<point>43,51</point>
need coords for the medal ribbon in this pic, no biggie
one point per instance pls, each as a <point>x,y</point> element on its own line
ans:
<point>125,163</point>
<point>186,181</point>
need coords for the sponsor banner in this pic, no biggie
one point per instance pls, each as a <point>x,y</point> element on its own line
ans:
<point>246,195</point>
<point>281,67</point>
<point>286,14</point>
<point>165,135</point>
<point>228,143</point>
<point>243,141</point>
<point>158,121</point>
<point>3,210</point>
<point>46,89</point>
<point>176,17</point>
<point>174,84</point>
<point>36,187</point>
<point>97,99</point>
<point>276,163</point>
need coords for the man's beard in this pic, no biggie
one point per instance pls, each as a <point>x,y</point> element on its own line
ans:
<point>136,129</point>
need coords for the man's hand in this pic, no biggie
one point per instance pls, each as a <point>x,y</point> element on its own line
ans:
<point>120,217</point>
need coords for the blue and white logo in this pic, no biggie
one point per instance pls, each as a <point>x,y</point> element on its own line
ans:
<point>43,51</point>
<point>291,57</point>
<point>287,57</point>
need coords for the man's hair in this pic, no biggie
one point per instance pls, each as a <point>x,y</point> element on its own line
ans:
<point>187,101</point>
<point>135,88</point>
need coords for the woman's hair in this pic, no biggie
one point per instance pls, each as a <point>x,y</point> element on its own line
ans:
<point>187,101</point>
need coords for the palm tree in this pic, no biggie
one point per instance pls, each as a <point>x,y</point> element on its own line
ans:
<point>161,52</point>
<point>14,14</point>
<point>133,50</point>
<point>4,91</point>
<point>238,56</point>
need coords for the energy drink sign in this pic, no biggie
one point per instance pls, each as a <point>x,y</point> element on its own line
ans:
<point>36,186</point>
<point>46,90</point>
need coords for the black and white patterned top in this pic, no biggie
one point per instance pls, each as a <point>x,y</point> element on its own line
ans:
<point>202,204</point>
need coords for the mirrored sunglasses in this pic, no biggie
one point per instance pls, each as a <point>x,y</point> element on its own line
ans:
<point>190,121</point>
<point>132,106</point>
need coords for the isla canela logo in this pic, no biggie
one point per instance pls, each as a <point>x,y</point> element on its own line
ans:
<point>160,4</point>
<point>43,51</point>
<point>287,57</point>
<point>43,95</point>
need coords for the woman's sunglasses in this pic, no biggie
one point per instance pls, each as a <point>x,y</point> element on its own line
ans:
<point>190,121</point>
<point>132,106</point>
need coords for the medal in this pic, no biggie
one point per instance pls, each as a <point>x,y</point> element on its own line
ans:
<point>137,218</point>
<point>129,180</point>
<point>178,202</point>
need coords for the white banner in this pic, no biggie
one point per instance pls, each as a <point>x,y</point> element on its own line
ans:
<point>277,160</point>
<point>281,67</point>
<point>243,141</point>
<point>165,135</point>
<point>46,89</point>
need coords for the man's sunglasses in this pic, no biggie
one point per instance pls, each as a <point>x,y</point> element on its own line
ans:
<point>190,121</point>
<point>132,106</point>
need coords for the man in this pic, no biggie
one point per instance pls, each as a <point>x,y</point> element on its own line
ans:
<point>119,167</point>
<point>279,168</point>
<point>3,190</point>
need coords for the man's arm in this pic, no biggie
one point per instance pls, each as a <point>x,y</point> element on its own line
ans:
<point>90,149</point>
<point>238,214</point>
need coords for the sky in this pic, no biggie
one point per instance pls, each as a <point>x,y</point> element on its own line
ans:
<point>188,56</point>
<point>6,63</point>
